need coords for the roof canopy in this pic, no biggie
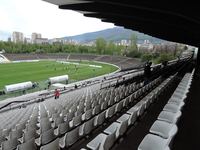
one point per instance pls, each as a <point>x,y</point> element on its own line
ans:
<point>177,21</point>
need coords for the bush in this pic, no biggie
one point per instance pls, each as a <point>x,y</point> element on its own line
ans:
<point>146,57</point>
<point>164,57</point>
<point>134,54</point>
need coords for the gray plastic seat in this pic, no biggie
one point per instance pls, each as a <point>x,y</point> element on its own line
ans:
<point>141,108</point>
<point>133,109</point>
<point>2,138</point>
<point>87,127</point>
<point>146,101</point>
<point>104,105</point>
<point>88,105</point>
<point>164,129</point>
<point>118,128</point>
<point>70,138</point>
<point>97,109</point>
<point>169,116</point>
<point>179,104</point>
<point>15,133</point>
<point>87,115</point>
<point>54,145</point>
<point>117,98</point>
<point>21,126</point>
<point>43,115</point>
<point>80,111</point>
<point>132,118</point>
<point>73,108</point>
<point>75,121</point>
<point>178,95</point>
<point>102,142</point>
<point>62,128</point>
<point>10,144</point>
<point>171,108</point>
<point>123,118</point>
<point>119,106</point>
<point>54,116</point>
<point>58,121</point>
<point>94,103</point>
<point>175,100</point>
<point>5,132</point>
<point>45,125</point>
<point>126,102</point>
<point>46,137</point>
<point>99,119</point>
<point>28,145</point>
<point>131,98</point>
<point>111,102</point>
<point>69,116</point>
<point>31,127</point>
<point>64,112</point>
<point>182,91</point>
<point>153,142</point>
<point>110,111</point>
<point>29,135</point>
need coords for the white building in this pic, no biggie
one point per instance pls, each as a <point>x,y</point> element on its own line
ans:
<point>41,41</point>
<point>147,45</point>
<point>17,37</point>
<point>58,41</point>
<point>124,42</point>
<point>27,40</point>
<point>35,36</point>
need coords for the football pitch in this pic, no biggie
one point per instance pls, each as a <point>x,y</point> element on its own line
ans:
<point>40,71</point>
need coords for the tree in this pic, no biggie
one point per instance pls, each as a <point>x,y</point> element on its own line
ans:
<point>133,39</point>
<point>132,50</point>
<point>83,49</point>
<point>100,45</point>
<point>111,47</point>
<point>164,57</point>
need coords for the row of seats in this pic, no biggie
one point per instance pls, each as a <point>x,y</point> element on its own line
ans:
<point>50,120</point>
<point>110,135</point>
<point>11,118</point>
<point>40,122</point>
<point>164,129</point>
<point>57,118</point>
<point>81,130</point>
<point>19,126</point>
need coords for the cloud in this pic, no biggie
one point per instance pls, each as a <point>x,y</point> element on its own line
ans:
<point>29,16</point>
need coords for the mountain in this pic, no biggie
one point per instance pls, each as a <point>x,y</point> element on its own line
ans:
<point>113,34</point>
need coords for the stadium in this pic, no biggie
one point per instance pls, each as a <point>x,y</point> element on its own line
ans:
<point>82,110</point>
<point>105,101</point>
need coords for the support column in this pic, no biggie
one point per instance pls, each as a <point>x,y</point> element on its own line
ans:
<point>197,56</point>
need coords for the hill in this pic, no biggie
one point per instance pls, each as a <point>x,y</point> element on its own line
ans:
<point>114,34</point>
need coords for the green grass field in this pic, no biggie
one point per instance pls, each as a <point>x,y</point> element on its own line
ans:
<point>12,73</point>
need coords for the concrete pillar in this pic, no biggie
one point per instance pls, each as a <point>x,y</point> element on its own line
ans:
<point>197,56</point>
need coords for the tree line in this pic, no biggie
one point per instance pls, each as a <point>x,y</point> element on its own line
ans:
<point>100,47</point>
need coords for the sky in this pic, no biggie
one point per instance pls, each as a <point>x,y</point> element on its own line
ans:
<point>28,16</point>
